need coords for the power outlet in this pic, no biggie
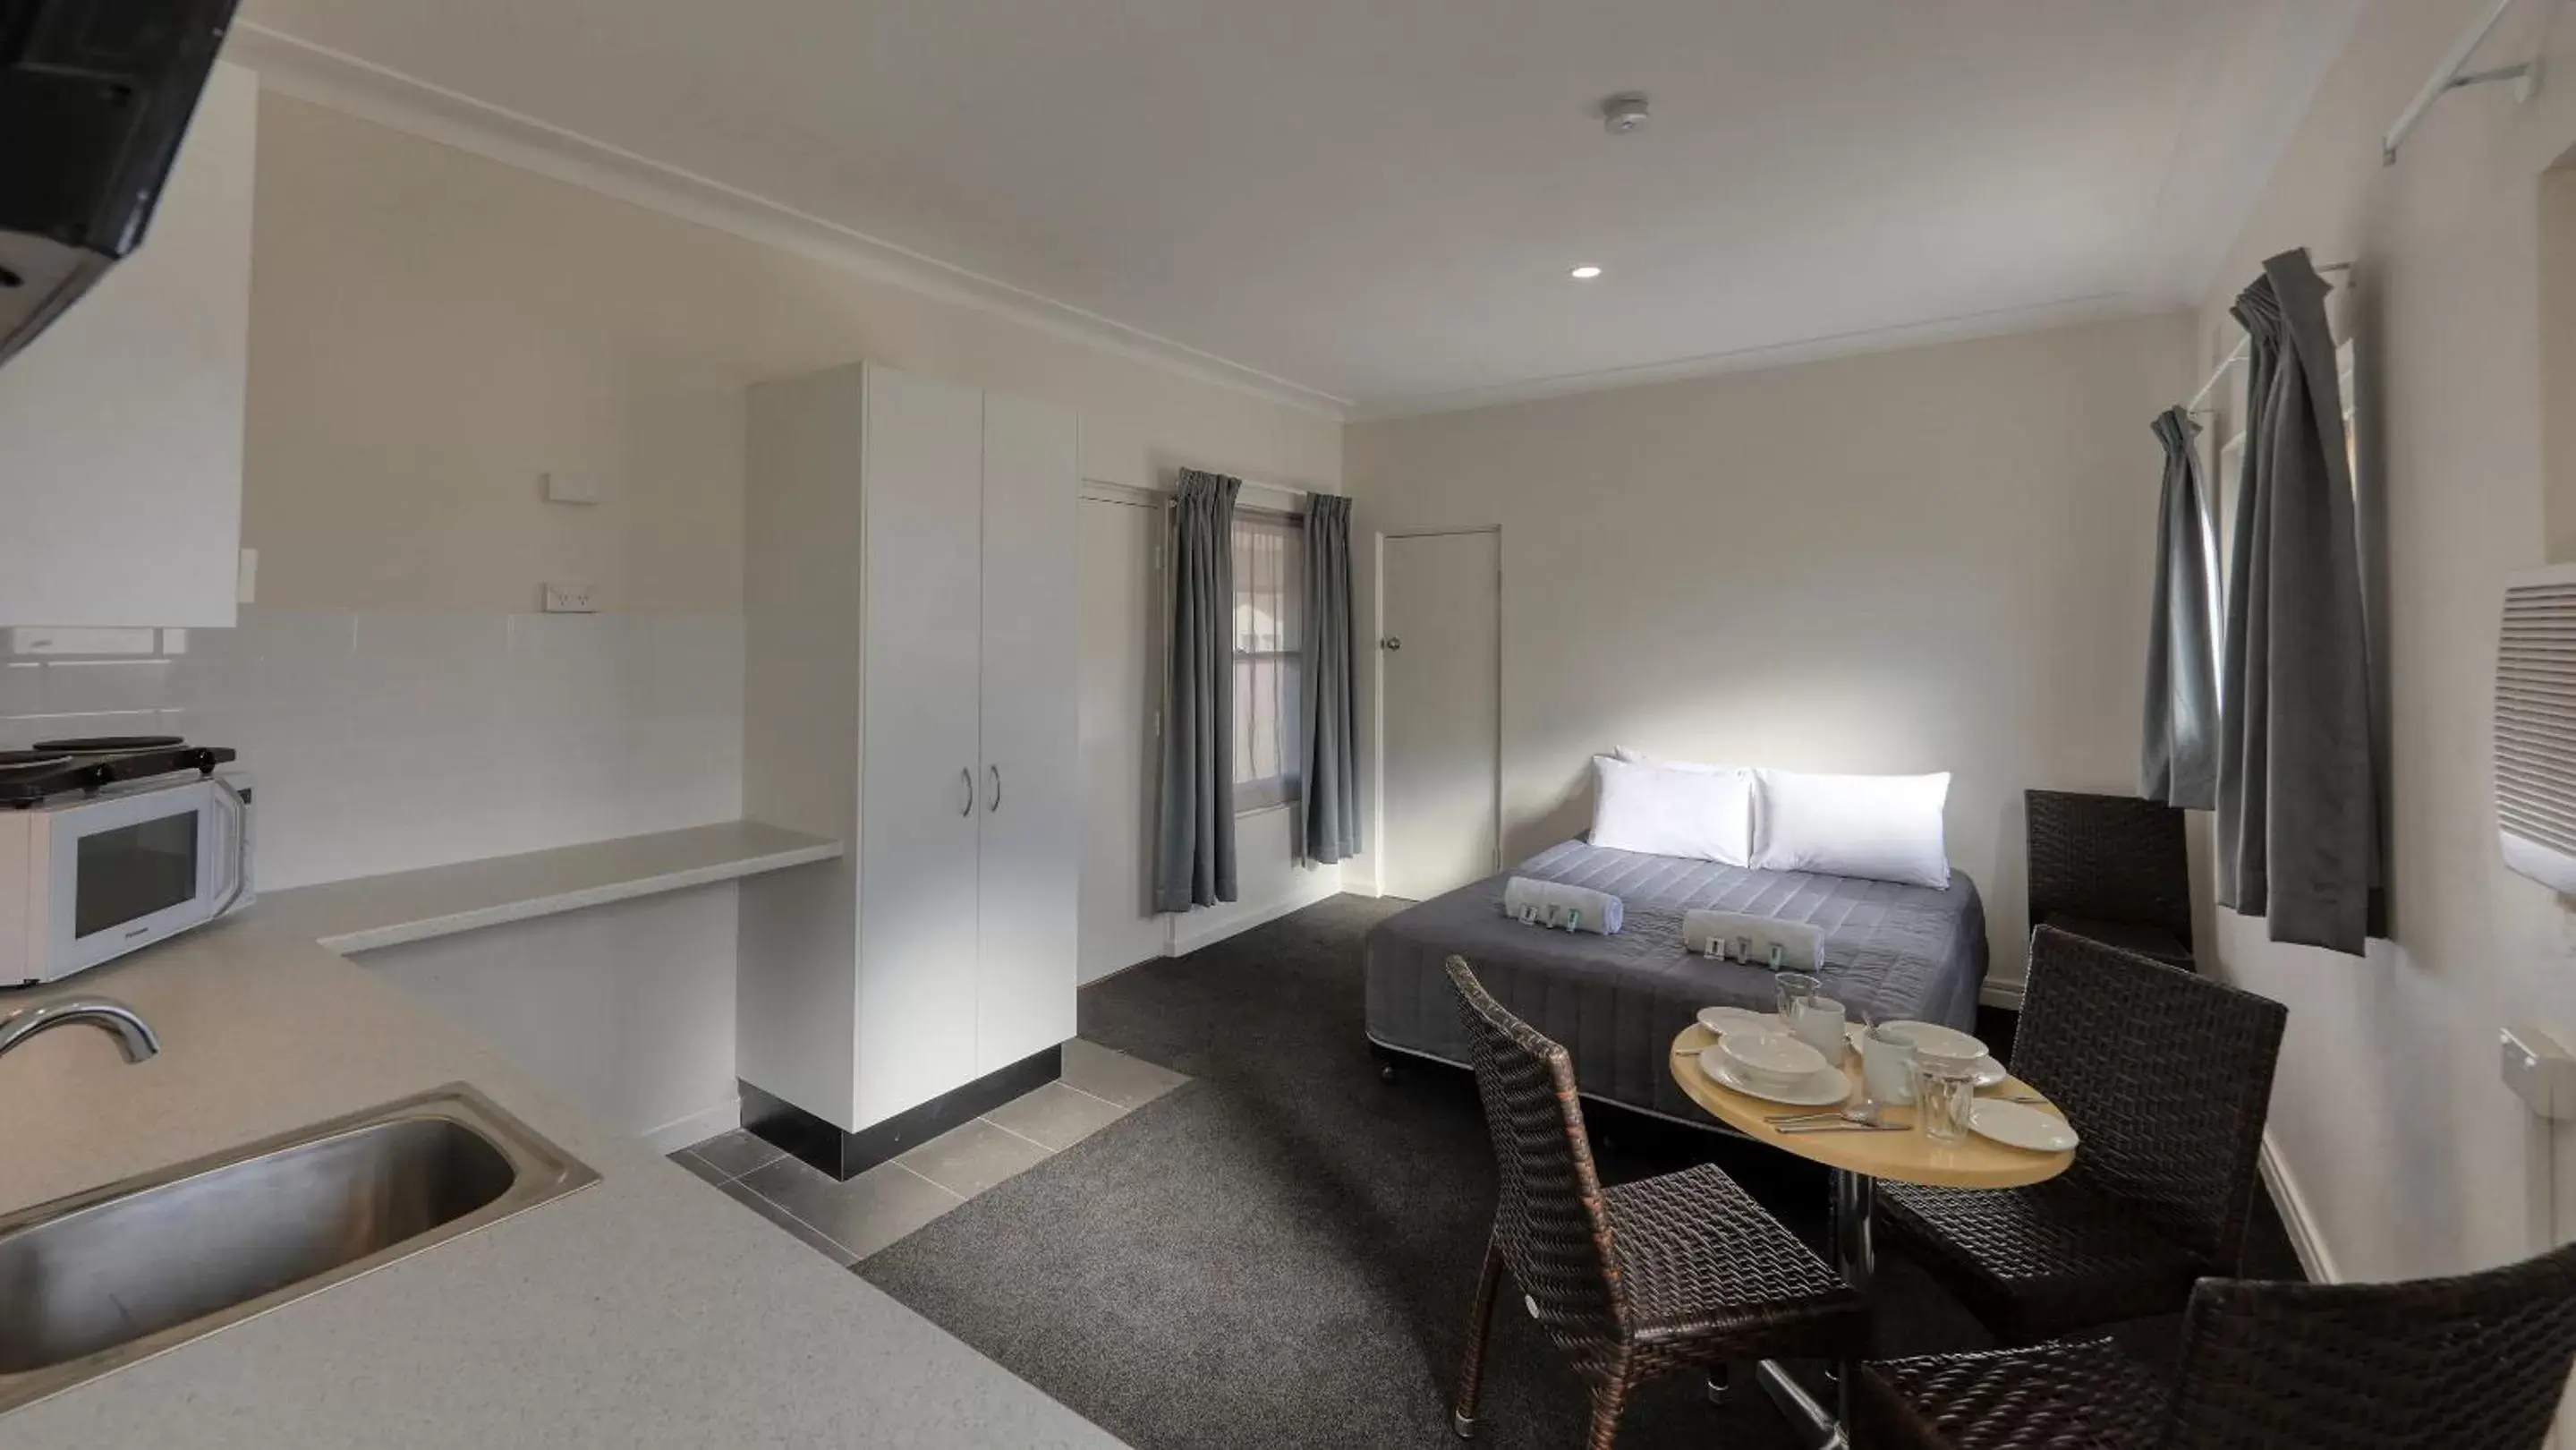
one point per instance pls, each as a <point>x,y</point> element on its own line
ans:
<point>572,598</point>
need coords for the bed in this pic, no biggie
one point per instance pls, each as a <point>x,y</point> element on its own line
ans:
<point>1890,951</point>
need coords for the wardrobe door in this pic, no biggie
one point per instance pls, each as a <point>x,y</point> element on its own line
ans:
<point>919,794</point>
<point>1032,799</point>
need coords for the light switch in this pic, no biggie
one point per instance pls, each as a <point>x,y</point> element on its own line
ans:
<point>2541,1071</point>
<point>563,487</point>
<point>581,598</point>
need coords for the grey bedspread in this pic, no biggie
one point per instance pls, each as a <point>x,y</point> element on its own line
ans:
<point>1616,1001</point>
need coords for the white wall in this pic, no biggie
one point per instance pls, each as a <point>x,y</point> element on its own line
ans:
<point>1934,559</point>
<point>626,1009</point>
<point>1123,624</point>
<point>1121,647</point>
<point>431,331</point>
<point>2389,1116</point>
<point>391,741</point>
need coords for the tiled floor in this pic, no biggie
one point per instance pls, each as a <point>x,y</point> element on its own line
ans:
<point>849,1221</point>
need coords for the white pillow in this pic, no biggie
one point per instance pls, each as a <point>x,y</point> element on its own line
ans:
<point>1696,814</point>
<point>1882,827</point>
<point>1639,757</point>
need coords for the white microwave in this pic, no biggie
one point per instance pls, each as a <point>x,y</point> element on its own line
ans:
<point>86,879</point>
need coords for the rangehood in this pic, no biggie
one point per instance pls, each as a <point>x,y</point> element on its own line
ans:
<point>94,99</point>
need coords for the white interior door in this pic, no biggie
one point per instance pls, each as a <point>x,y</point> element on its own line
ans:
<point>1440,706</point>
<point>920,774</point>
<point>1121,626</point>
<point>1029,910</point>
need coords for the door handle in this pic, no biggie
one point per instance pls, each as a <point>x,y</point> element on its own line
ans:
<point>966,778</point>
<point>997,787</point>
<point>1390,642</point>
<point>239,875</point>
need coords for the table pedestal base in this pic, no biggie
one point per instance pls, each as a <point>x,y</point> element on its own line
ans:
<point>1811,1422</point>
<point>1856,1255</point>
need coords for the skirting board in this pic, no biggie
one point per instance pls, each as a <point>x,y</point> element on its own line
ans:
<point>2006,995</point>
<point>1188,935</point>
<point>2305,1239</point>
<point>697,1127</point>
<point>845,1154</point>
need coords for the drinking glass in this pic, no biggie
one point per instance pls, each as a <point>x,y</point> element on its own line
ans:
<point>1790,989</point>
<point>1945,1088</point>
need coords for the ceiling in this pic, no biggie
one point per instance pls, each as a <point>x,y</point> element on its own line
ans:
<point>1375,202</point>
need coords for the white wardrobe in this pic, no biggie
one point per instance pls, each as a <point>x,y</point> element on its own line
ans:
<point>910,689</point>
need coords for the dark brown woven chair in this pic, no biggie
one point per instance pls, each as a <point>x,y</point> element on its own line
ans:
<point>2112,869</point>
<point>2168,1077</point>
<point>1634,1281</point>
<point>2472,1363</point>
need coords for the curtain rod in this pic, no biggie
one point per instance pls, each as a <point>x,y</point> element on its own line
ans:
<point>2243,346</point>
<point>2455,74</point>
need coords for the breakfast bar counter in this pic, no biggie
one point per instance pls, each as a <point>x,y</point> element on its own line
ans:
<point>643,1310</point>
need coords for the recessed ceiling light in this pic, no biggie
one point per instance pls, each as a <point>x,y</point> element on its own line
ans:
<point>1584,273</point>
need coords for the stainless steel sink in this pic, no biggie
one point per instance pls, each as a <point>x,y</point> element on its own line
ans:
<point>107,1276</point>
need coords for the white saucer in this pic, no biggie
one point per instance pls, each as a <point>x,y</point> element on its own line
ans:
<point>1723,1020</point>
<point>2019,1125</point>
<point>1819,1089</point>
<point>1990,1073</point>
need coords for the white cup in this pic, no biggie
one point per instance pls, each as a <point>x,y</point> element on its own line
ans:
<point>1818,1022</point>
<point>1887,1065</point>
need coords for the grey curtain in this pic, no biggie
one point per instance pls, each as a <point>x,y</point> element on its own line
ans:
<point>1194,841</point>
<point>2180,761</point>
<point>2298,815</point>
<point>1332,710</point>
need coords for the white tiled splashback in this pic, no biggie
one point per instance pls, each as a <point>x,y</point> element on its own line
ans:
<point>384,742</point>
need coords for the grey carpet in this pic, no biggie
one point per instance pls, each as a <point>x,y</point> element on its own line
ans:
<point>1281,1252</point>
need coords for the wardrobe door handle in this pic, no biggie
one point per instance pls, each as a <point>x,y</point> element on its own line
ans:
<point>966,778</point>
<point>997,787</point>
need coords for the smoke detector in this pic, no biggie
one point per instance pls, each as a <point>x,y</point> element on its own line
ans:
<point>1624,113</point>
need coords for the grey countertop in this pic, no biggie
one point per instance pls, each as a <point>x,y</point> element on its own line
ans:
<point>410,906</point>
<point>645,1310</point>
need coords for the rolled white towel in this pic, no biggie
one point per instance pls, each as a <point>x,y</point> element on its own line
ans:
<point>1801,945</point>
<point>1555,904</point>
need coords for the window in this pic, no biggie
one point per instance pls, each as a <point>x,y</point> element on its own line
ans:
<point>1269,641</point>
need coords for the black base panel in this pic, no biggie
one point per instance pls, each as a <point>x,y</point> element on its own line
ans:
<point>846,1155</point>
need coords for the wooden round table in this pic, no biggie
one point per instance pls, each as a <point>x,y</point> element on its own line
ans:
<point>1858,1160</point>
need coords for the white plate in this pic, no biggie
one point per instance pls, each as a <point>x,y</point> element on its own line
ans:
<point>1826,1086</point>
<point>2019,1125</point>
<point>1723,1020</point>
<point>1937,1037</point>
<point>1990,1073</point>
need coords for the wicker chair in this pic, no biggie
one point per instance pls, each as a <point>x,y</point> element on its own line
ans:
<point>2472,1363</point>
<point>2168,1076</point>
<point>2111,869</point>
<point>1634,1281</point>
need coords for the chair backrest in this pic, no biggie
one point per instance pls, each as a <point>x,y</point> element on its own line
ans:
<point>2108,857</point>
<point>2472,1363</point>
<point>1549,1223</point>
<point>2167,1076</point>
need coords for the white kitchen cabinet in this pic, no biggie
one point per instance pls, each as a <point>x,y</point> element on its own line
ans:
<point>1030,849</point>
<point>121,425</point>
<point>910,689</point>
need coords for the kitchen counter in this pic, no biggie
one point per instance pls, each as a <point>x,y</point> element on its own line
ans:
<point>644,1310</point>
<point>411,906</point>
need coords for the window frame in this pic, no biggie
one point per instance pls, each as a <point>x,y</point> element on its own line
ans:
<point>1285,788</point>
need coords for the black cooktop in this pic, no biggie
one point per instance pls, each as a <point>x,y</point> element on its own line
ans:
<point>58,767</point>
